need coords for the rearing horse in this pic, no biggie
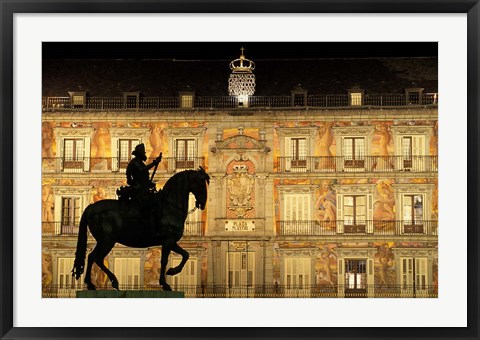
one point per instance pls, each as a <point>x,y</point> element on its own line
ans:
<point>113,221</point>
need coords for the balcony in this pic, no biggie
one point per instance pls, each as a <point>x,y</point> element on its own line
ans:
<point>114,164</point>
<point>228,102</point>
<point>326,164</point>
<point>347,228</point>
<point>265,291</point>
<point>192,228</point>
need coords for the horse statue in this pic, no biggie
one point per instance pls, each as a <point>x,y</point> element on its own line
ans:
<point>111,221</point>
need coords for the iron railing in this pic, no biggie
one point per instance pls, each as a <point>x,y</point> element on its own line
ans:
<point>61,229</point>
<point>265,291</point>
<point>230,102</point>
<point>367,227</point>
<point>323,164</point>
<point>114,164</point>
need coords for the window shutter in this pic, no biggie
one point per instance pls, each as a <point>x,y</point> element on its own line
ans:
<point>116,160</point>
<point>288,154</point>
<point>86,153</point>
<point>369,222</point>
<point>418,148</point>
<point>340,213</point>
<point>399,153</point>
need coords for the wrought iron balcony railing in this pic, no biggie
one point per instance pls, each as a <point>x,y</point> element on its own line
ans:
<point>367,227</point>
<point>62,229</point>
<point>265,291</point>
<point>230,102</point>
<point>115,164</point>
<point>322,164</point>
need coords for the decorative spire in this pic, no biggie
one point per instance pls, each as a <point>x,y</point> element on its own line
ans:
<point>242,80</point>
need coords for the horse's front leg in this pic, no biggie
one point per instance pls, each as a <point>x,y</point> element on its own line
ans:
<point>163,265</point>
<point>179,250</point>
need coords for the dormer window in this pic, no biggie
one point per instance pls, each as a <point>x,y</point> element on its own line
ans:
<point>186,99</point>
<point>355,96</point>
<point>131,100</point>
<point>414,95</point>
<point>299,96</point>
<point>78,99</point>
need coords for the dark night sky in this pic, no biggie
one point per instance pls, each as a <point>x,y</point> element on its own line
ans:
<point>231,50</point>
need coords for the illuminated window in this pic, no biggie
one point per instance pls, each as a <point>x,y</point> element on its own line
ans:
<point>354,152</point>
<point>296,150</point>
<point>73,153</point>
<point>354,214</point>
<point>355,99</point>
<point>185,152</point>
<point>186,101</point>
<point>125,148</point>
<point>355,276</point>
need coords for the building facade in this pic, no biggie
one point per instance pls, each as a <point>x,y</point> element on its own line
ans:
<point>311,195</point>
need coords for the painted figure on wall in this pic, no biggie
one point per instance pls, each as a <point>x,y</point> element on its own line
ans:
<point>324,144</point>
<point>326,206</point>
<point>47,276</point>
<point>383,208</point>
<point>48,141</point>
<point>47,209</point>
<point>157,142</point>
<point>100,142</point>
<point>385,263</point>
<point>99,195</point>
<point>99,278</point>
<point>152,267</point>
<point>383,162</point>
<point>324,265</point>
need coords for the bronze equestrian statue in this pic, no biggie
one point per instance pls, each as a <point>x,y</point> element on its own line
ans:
<point>123,221</point>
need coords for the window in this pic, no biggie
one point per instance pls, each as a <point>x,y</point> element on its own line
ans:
<point>127,271</point>
<point>77,99</point>
<point>354,152</point>
<point>297,276</point>
<point>240,272</point>
<point>412,152</point>
<point>73,148</point>
<point>67,285</point>
<point>355,99</point>
<point>354,214</point>
<point>186,101</point>
<point>355,276</point>
<point>125,148</point>
<point>413,214</point>
<point>414,275</point>
<point>70,211</point>
<point>353,145</point>
<point>296,214</point>
<point>73,153</point>
<point>296,152</point>
<point>355,208</point>
<point>185,152</point>
<point>186,280</point>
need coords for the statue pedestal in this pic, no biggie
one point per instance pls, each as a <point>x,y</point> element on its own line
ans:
<point>129,294</point>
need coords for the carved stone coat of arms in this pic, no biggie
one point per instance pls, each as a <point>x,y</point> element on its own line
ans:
<point>240,185</point>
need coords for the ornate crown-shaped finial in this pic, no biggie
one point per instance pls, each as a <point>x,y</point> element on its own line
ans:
<point>242,64</point>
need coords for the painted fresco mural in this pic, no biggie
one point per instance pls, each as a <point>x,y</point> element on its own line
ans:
<point>240,193</point>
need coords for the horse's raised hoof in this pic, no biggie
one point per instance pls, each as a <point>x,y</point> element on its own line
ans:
<point>171,271</point>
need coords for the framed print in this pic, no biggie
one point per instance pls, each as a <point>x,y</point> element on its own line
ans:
<point>183,171</point>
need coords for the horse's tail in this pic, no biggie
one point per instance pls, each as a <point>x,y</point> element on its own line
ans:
<point>79,264</point>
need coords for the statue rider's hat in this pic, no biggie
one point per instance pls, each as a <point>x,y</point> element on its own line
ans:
<point>139,150</point>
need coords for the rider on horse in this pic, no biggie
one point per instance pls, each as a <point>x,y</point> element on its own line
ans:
<point>141,189</point>
<point>137,171</point>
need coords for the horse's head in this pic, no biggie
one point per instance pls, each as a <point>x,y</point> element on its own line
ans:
<point>199,187</point>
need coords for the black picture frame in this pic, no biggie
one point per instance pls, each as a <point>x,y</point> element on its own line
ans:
<point>9,7</point>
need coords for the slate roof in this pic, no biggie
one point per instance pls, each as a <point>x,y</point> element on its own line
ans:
<point>109,78</point>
